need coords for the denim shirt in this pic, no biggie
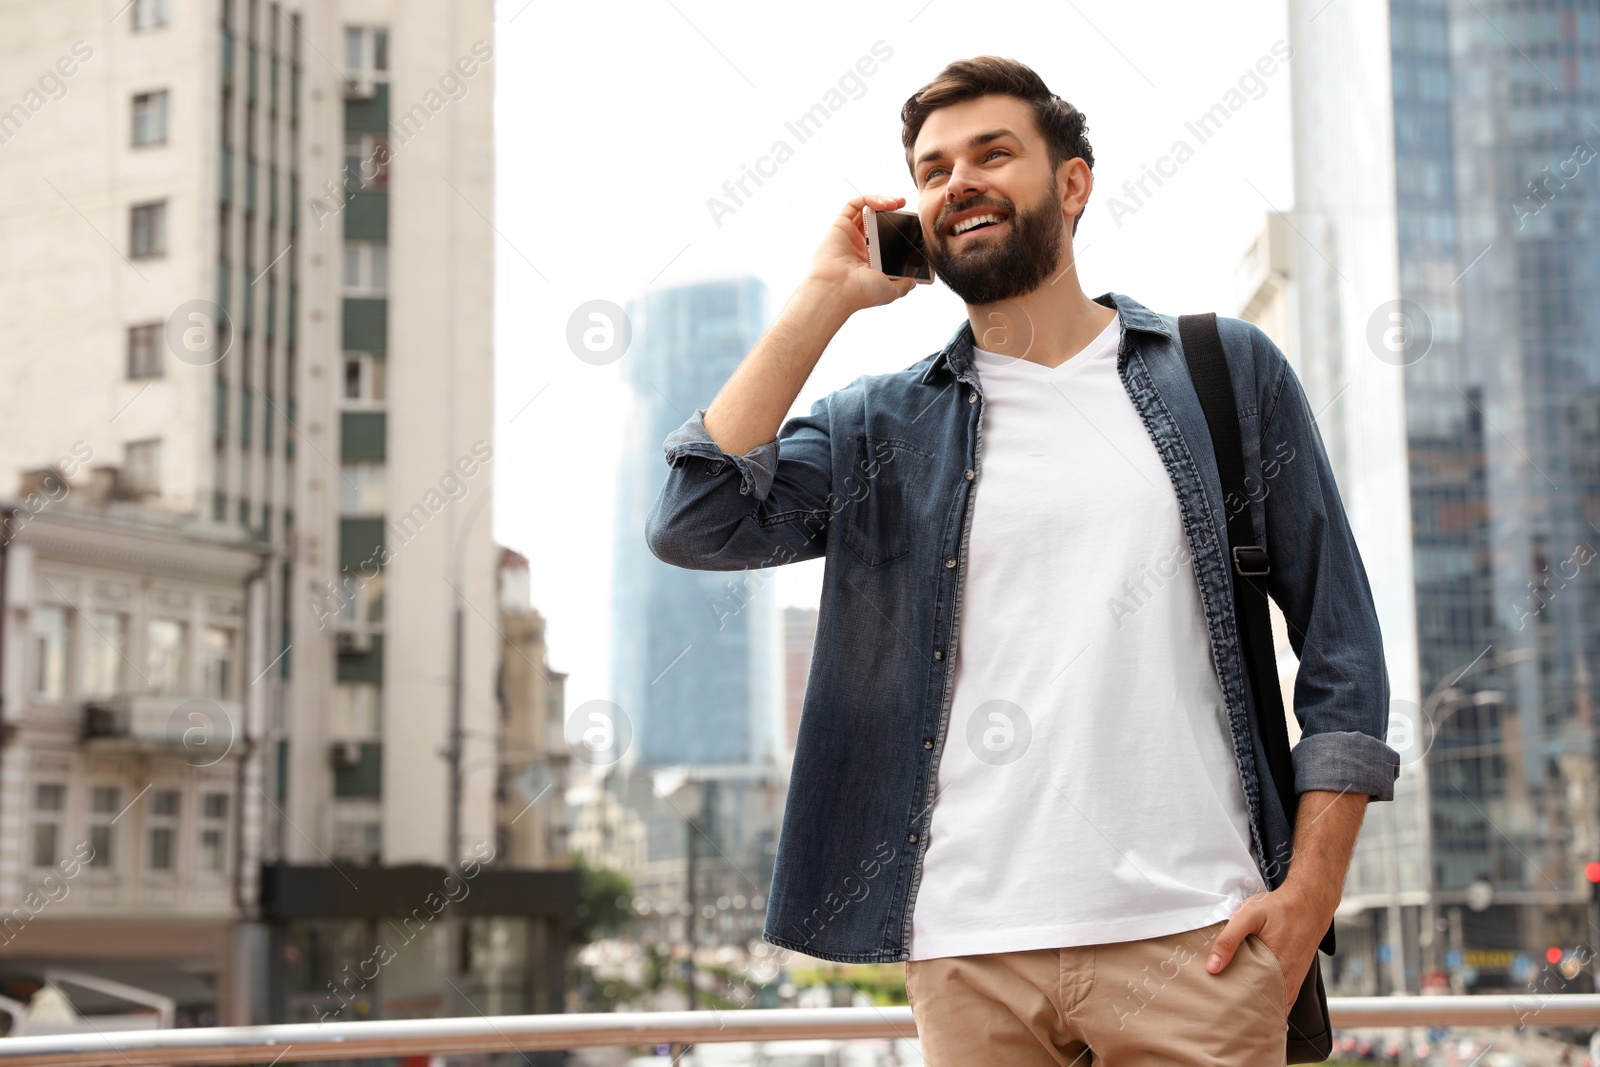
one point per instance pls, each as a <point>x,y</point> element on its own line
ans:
<point>879,479</point>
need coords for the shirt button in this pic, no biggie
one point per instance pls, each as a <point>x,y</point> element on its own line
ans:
<point>949,561</point>
<point>927,742</point>
<point>972,398</point>
<point>938,653</point>
<point>744,487</point>
<point>969,475</point>
<point>912,837</point>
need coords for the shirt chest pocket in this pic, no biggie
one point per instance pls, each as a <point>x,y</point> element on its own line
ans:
<point>877,497</point>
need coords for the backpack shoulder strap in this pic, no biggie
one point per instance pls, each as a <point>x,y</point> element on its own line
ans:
<point>1208,367</point>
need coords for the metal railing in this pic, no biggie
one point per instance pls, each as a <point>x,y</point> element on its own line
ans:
<point>526,1033</point>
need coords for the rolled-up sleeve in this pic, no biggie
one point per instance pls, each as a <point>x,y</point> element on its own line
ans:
<point>769,506</point>
<point>1341,692</point>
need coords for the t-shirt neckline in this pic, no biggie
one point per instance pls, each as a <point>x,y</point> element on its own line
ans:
<point>985,359</point>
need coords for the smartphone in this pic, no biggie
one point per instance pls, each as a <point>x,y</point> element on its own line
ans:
<point>894,244</point>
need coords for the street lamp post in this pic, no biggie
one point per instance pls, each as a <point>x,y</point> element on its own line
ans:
<point>453,751</point>
<point>694,908</point>
<point>682,788</point>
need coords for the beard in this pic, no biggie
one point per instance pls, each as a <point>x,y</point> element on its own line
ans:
<point>1018,263</point>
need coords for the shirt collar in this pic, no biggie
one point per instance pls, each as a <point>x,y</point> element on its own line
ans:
<point>957,352</point>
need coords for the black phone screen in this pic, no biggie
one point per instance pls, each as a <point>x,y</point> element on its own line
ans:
<point>900,246</point>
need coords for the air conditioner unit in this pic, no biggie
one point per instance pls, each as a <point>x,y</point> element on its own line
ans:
<point>360,85</point>
<point>346,755</point>
<point>351,642</point>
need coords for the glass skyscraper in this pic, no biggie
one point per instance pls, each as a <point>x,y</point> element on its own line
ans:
<point>697,664</point>
<point>1447,283</point>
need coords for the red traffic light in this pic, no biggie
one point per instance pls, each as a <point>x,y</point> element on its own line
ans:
<point>1553,954</point>
<point>1592,871</point>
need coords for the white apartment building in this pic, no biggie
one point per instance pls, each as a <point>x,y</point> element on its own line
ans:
<point>250,265</point>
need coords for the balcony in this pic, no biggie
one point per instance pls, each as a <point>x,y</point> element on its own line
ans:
<point>201,727</point>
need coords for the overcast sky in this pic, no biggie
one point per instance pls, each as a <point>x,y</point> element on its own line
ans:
<point>614,129</point>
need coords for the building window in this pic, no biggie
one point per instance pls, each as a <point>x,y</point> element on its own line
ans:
<point>52,650</point>
<point>164,807</point>
<point>366,268</point>
<point>214,832</point>
<point>141,465</point>
<point>356,712</point>
<point>366,50</point>
<point>147,230</point>
<point>49,810</point>
<point>104,806</point>
<point>361,489</point>
<point>217,667</point>
<point>150,15</point>
<point>366,160</point>
<point>144,350</point>
<point>166,667</point>
<point>150,118</point>
<point>358,838</point>
<point>363,377</point>
<point>361,601</point>
<point>105,651</point>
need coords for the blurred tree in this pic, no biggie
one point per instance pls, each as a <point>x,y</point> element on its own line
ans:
<point>605,903</point>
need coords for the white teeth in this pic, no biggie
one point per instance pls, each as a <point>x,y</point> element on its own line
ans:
<point>977,220</point>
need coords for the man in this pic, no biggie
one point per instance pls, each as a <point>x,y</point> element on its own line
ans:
<point>1026,762</point>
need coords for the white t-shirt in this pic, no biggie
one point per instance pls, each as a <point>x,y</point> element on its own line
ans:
<point>1087,790</point>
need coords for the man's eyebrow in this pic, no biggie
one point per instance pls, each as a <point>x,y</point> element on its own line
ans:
<point>977,141</point>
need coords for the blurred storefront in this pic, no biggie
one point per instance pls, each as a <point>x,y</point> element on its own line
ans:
<point>415,941</point>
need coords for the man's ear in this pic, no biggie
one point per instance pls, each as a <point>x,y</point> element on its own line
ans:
<point>1076,182</point>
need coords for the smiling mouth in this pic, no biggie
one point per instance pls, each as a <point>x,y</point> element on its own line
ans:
<point>975,224</point>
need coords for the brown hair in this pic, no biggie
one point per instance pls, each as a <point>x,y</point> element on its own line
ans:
<point>1064,126</point>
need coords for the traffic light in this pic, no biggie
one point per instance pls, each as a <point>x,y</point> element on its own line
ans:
<point>1591,871</point>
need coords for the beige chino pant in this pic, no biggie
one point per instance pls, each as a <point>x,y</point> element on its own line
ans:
<point>1126,1004</point>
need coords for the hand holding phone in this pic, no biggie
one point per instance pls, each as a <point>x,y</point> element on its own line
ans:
<point>841,273</point>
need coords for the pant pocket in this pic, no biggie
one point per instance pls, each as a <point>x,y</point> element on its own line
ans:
<point>1270,958</point>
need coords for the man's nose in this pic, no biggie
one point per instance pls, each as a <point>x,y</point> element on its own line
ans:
<point>964,182</point>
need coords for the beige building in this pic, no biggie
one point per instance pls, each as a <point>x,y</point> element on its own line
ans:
<point>251,267</point>
<point>534,759</point>
<point>1262,282</point>
<point>130,756</point>
<point>1264,288</point>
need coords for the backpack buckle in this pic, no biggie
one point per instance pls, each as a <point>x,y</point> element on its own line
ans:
<point>1251,561</point>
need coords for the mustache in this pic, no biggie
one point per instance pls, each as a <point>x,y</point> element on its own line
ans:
<point>944,220</point>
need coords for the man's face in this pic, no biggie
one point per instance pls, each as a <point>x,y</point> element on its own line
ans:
<point>985,160</point>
